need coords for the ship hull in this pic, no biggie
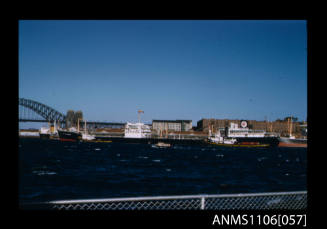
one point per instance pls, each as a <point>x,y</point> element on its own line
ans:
<point>44,136</point>
<point>287,142</point>
<point>69,136</point>
<point>271,141</point>
<point>246,144</point>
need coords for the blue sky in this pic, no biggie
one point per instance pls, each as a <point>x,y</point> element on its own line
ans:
<point>170,69</point>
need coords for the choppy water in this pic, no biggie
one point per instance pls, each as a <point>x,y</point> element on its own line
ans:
<point>53,170</point>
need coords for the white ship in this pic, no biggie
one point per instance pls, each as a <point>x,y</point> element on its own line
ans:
<point>133,133</point>
<point>137,130</point>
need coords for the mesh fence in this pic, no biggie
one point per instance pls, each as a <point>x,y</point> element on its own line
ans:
<point>292,200</point>
<point>257,201</point>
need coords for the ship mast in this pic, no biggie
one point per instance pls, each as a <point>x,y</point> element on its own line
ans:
<point>160,131</point>
<point>54,126</point>
<point>291,127</point>
<point>85,127</point>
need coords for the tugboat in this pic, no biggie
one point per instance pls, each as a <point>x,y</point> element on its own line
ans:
<point>242,137</point>
<point>49,132</point>
<point>86,136</point>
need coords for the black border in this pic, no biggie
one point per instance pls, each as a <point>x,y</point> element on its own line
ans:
<point>184,219</point>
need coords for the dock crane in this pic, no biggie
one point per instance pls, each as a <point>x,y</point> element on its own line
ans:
<point>139,115</point>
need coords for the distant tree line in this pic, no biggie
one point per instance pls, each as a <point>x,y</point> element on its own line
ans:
<point>72,118</point>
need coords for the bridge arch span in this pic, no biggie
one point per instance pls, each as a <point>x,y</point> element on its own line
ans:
<point>43,110</point>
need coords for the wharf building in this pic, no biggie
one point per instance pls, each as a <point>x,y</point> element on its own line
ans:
<point>280,127</point>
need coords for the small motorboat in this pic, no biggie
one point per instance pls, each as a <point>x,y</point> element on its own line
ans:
<point>161,145</point>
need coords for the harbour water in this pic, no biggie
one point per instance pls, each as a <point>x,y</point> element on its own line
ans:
<point>54,170</point>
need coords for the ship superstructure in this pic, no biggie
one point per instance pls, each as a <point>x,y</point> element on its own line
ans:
<point>137,130</point>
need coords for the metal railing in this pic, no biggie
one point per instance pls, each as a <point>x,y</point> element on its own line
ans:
<point>256,201</point>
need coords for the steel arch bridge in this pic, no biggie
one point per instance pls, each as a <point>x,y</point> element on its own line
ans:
<point>48,113</point>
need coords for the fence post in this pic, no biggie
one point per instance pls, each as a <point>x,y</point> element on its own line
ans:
<point>202,202</point>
